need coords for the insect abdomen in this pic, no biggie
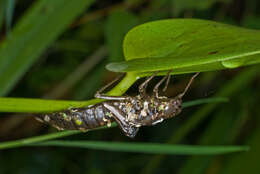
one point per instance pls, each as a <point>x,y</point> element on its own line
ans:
<point>78,118</point>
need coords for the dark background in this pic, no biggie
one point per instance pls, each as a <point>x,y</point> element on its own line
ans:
<point>96,37</point>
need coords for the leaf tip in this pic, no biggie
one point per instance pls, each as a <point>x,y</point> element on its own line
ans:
<point>116,67</point>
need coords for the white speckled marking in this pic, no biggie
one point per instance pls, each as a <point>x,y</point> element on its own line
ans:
<point>57,127</point>
<point>146,105</point>
<point>38,119</point>
<point>143,113</point>
<point>46,118</point>
<point>108,123</point>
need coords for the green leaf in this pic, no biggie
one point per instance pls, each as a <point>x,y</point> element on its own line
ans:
<point>188,45</point>
<point>152,148</point>
<point>34,32</point>
<point>38,105</point>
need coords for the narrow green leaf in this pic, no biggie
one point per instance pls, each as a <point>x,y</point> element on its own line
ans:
<point>40,105</point>
<point>151,148</point>
<point>34,32</point>
<point>37,105</point>
<point>25,141</point>
<point>188,45</point>
<point>204,101</point>
<point>36,139</point>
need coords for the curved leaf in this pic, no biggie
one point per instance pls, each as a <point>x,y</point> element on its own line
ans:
<point>188,45</point>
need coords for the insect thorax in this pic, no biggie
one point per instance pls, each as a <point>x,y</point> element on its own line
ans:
<point>149,110</point>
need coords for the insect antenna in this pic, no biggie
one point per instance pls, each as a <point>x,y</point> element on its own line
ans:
<point>188,85</point>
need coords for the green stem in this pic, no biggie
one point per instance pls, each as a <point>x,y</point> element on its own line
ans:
<point>119,89</point>
<point>25,105</point>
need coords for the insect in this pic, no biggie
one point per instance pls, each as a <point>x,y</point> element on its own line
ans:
<point>130,113</point>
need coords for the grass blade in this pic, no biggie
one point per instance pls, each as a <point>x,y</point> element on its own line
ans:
<point>204,101</point>
<point>25,141</point>
<point>151,148</point>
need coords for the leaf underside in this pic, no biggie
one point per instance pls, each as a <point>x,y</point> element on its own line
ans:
<point>188,45</point>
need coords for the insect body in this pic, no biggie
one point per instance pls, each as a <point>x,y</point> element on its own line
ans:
<point>130,113</point>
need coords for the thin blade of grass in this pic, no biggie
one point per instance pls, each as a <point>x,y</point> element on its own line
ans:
<point>151,148</point>
<point>204,101</point>
<point>37,139</point>
<point>25,141</point>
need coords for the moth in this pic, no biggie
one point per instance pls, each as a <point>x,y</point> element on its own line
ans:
<point>130,113</point>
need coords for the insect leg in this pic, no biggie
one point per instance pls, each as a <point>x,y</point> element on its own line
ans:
<point>129,130</point>
<point>142,87</point>
<point>100,95</point>
<point>168,80</point>
<point>156,88</point>
<point>188,85</point>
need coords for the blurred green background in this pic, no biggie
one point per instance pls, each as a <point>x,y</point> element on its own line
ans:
<point>71,65</point>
